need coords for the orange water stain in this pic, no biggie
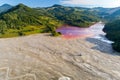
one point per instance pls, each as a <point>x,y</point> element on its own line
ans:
<point>72,32</point>
<point>76,37</point>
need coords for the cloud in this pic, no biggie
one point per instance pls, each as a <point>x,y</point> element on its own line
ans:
<point>97,3</point>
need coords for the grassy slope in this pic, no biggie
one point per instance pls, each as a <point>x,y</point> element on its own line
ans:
<point>22,20</point>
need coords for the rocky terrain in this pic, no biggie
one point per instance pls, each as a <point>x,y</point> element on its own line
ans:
<point>42,57</point>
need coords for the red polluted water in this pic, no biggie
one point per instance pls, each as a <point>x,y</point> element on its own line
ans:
<point>71,32</point>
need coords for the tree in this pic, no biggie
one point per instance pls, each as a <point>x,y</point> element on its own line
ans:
<point>3,27</point>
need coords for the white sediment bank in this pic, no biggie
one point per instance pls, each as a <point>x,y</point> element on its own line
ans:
<point>97,29</point>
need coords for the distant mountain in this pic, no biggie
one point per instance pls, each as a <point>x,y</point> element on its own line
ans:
<point>113,13</point>
<point>57,5</point>
<point>108,13</point>
<point>82,17</point>
<point>113,10</point>
<point>100,9</point>
<point>5,7</point>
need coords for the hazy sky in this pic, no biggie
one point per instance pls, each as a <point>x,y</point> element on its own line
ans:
<point>83,3</point>
<point>90,3</point>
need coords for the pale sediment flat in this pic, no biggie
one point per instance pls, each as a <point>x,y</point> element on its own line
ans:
<point>42,57</point>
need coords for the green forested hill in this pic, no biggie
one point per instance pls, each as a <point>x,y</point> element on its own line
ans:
<point>82,17</point>
<point>23,20</point>
<point>113,33</point>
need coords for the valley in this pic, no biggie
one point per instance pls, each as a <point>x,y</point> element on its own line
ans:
<point>31,47</point>
<point>42,57</point>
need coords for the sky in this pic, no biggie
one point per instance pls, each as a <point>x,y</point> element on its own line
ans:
<point>78,3</point>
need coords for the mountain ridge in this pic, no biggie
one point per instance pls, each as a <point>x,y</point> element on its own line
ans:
<point>5,7</point>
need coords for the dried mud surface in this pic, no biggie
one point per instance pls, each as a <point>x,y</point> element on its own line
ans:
<point>42,57</point>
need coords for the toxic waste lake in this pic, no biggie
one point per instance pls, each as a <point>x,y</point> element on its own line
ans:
<point>69,32</point>
<point>94,31</point>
